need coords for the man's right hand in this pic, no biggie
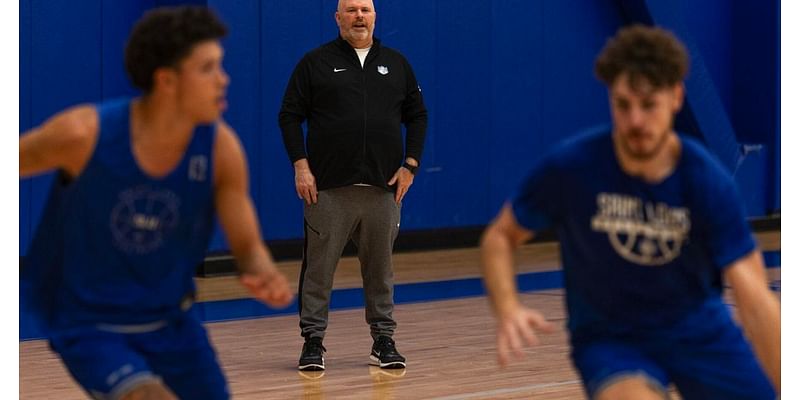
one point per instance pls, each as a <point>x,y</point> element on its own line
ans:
<point>304,182</point>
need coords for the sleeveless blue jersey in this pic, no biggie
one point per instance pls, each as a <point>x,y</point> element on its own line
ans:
<point>638,258</point>
<point>115,245</point>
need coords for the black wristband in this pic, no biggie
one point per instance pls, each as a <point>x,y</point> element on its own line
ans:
<point>411,168</point>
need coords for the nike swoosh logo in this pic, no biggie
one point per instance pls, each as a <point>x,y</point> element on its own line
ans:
<point>339,70</point>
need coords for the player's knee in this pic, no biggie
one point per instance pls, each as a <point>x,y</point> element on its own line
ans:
<point>150,391</point>
<point>632,388</point>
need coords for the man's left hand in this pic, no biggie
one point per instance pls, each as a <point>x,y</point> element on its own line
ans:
<point>404,178</point>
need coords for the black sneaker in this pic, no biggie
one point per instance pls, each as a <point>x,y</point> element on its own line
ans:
<point>311,358</point>
<point>385,355</point>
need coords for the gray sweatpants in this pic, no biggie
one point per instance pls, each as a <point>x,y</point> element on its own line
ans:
<point>368,215</point>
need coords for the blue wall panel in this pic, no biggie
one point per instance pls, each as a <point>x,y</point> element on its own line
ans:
<point>775,200</point>
<point>25,48</point>
<point>755,94</point>
<point>710,23</point>
<point>576,99</point>
<point>730,93</point>
<point>117,20</point>
<point>167,3</point>
<point>503,81</point>
<point>65,66</point>
<point>327,22</point>
<point>516,99</point>
<point>66,55</point>
<point>710,120</point>
<point>543,85</point>
<point>750,173</point>
<point>242,62</point>
<point>410,27</point>
<point>463,72</point>
<point>754,99</point>
<point>287,33</point>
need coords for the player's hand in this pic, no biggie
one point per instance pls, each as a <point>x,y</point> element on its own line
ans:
<point>404,179</point>
<point>305,184</point>
<point>516,329</point>
<point>269,286</point>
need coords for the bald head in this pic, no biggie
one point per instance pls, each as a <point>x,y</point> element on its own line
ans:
<point>345,3</point>
<point>356,21</point>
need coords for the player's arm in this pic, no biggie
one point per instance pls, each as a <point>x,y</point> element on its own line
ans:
<point>515,322</point>
<point>238,219</point>
<point>759,311</point>
<point>498,243</point>
<point>65,141</point>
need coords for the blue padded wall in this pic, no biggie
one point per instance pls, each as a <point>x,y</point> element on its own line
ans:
<point>503,81</point>
<point>24,119</point>
<point>64,45</point>
<point>461,134</point>
<point>242,62</point>
<point>732,94</point>
<point>410,27</point>
<point>286,34</point>
<point>755,93</point>
<point>117,19</point>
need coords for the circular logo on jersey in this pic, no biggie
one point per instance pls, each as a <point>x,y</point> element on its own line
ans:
<point>142,218</point>
<point>642,233</point>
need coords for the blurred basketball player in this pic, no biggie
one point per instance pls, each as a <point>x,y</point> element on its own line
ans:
<point>649,225</point>
<point>110,271</point>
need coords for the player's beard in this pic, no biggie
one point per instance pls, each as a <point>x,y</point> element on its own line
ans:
<point>645,154</point>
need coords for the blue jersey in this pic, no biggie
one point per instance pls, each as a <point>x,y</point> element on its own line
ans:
<point>115,245</point>
<point>639,258</point>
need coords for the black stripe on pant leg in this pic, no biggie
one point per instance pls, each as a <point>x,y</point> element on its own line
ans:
<point>302,273</point>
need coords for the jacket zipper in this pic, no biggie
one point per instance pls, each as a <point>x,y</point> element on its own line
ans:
<point>364,130</point>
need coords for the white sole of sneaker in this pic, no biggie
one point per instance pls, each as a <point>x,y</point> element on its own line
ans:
<point>312,367</point>
<point>391,365</point>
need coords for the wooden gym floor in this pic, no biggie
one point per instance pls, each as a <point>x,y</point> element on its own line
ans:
<point>449,343</point>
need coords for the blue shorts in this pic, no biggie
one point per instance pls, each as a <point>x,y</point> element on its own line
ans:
<point>108,363</point>
<point>715,364</point>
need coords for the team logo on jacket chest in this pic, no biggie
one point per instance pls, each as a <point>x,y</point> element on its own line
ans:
<point>641,232</point>
<point>383,70</point>
<point>142,218</point>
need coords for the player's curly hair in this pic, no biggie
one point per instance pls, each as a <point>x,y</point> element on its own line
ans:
<point>164,36</point>
<point>643,52</point>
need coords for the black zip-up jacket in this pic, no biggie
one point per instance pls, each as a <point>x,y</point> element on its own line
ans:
<point>354,114</point>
